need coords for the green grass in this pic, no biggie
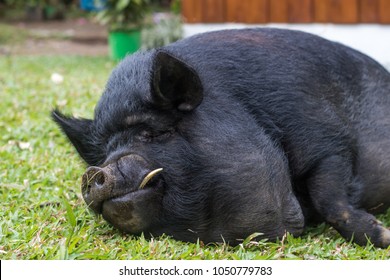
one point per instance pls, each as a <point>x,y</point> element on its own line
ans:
<point>42,214</point>
<point>12,35</point>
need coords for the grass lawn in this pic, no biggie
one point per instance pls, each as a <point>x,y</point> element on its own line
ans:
<point>42,214</point>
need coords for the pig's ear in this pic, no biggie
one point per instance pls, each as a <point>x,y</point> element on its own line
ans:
<point>175,85</point>
<point>78,132</point>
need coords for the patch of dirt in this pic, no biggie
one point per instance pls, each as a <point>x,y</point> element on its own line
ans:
<point>68,37</point>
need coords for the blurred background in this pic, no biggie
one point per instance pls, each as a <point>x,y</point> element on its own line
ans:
<point>118,27</point>
<point>87,27</point>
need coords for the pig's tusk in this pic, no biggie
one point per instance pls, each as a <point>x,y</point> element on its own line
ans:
<point>149,176</point>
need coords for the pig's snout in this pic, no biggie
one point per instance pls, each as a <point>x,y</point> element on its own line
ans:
<point>129,174</point>
<point>127,191</point>
<point>97,186</point>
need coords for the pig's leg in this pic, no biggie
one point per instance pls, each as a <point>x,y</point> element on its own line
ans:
<point>330,184</point>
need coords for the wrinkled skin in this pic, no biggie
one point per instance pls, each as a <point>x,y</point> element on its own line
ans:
<point>228,133</point>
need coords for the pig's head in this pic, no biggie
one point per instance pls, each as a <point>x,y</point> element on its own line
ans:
<point>162,161</point>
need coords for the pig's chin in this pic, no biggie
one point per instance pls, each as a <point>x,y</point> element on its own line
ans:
<point>136,211</point>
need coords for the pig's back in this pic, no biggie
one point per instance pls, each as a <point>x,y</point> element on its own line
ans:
<point>293,77</point>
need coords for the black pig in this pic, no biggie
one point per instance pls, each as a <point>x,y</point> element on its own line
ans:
<point>228,133</point>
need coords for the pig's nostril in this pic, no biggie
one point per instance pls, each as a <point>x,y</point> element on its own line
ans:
<point>94,177</point>
<point>97,184</point>
<point>99,178</point>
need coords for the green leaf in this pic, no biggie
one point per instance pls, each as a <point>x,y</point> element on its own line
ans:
<point>122,4</point>
<point>251,237</point>
<point>69,213</point>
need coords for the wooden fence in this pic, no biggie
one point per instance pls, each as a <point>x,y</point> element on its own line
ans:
<point>287,11</point>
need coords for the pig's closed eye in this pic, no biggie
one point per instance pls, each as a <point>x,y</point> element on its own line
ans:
<point>150,136</point>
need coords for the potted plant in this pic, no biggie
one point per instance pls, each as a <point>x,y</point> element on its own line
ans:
<point>124,19</point>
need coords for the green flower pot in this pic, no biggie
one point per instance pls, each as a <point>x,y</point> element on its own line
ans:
<point>123,42</point>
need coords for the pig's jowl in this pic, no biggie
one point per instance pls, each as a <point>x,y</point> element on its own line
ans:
<point>229,133</point>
